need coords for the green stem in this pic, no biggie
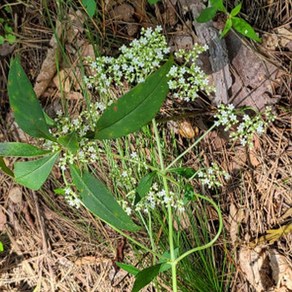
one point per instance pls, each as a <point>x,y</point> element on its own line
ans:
<point>210,243</point>
<point>190,148</point>
<point>169,210</point>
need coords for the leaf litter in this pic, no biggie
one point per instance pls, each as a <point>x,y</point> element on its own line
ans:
<point>265,170</point>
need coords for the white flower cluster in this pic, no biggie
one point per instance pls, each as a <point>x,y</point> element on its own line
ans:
<point>134,64</point>
<point>141,58</point>
<point>246,126</point>
<point>187,79</point>
<point>72,198</point>
<point>88,150</point>
<point>153,199</point>
<point>210,176</point>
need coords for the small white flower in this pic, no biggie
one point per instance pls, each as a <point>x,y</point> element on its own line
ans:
<point>246,118</point>
<point>75,122</point>
<point>205,47</point>
<point>166,200</point>
<point>260,129</point>
<point>59,113</point>
<point>134,155</point>
<point>243,141</point>
<point>172,71</point>
<point>65,129</point>
<point>155,187</point>
<point>93,156</point>
<point>124,174</point>
<point>91,149</point>
<point>63,167</point>
<point>231,107</point>
<point>158,28</point>
<point>128,210</point>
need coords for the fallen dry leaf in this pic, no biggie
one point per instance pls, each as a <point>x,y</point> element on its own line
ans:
<point>272,235</point>
<point>15,195</point>
<point>67,79</point>
<point>284,35</point>
<point>48,68</point>
<point>281,269</point>
<point>124,12</point>
<point>87,50</point>
<point>235,218</point>
<point>186,130</point>
<point>254,263</point>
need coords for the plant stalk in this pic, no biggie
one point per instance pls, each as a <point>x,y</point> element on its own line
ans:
<point>169,211</point>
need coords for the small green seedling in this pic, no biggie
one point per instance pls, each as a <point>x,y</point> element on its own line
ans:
<point>239,24</point>
<point>8,35</point>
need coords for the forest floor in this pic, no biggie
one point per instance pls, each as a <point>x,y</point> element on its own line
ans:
<point>50,246</point>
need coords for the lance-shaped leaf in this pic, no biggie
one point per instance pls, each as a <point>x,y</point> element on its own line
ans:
<point>244,28</point>
<point>128,268</point>
<point>27,110</point>
<point>33,174</point>
<point>99,200</point>
<point>136,108</point>
<point>207,14</point>
<point>145,276</point>
<point>15,149</point>
<point>144,186</point>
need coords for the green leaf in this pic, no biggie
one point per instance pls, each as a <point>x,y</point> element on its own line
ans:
<point>4,168</point>
<point>144,187</point>
<point>219,5</point>
<point>189,194</point>
<point>166,266</point>
<point>136,108</point>
<point>59,191</point>
<point>27,110</point>
<point>1,40</point>
<point>11,39</point>
<point>244,28</point>
<point>153,1</point>
<point>100,201</point>
<point>16,149</point>
<point>145,276</point>
<point>227,27</point>
<point>236,10</point>
<point>207,14</point>
<point>50,122</point>
<point>8,28</point>
<point>1,247</point>
<point>70,142</point>
<point>186,172</point>
<point>128,268</point>
<point>33,174</point>
<point>90,7</point>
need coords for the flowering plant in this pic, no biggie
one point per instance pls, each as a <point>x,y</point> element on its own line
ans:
<point>75,144</point>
